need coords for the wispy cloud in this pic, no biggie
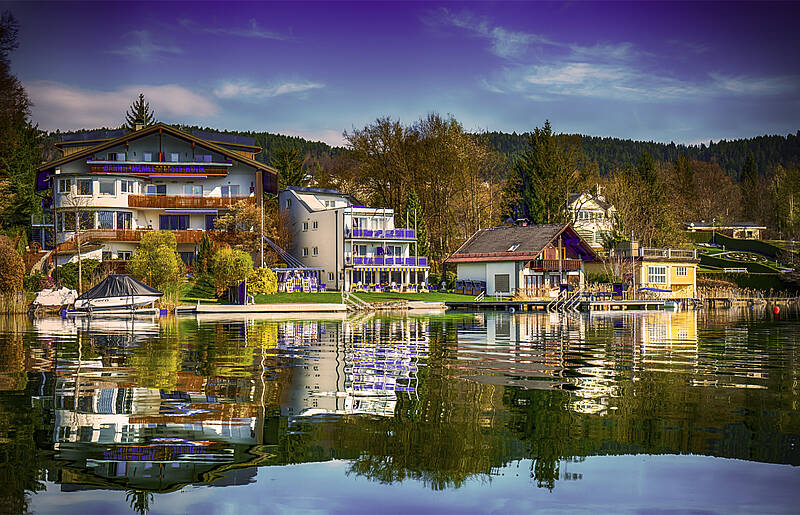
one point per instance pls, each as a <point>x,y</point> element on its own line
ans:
<point>143,47</point>
<point>246,89</point>
<point>61,106</point>
<point>251,30</point>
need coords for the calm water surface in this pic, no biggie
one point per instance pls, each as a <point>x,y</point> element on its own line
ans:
<point>455,413</point>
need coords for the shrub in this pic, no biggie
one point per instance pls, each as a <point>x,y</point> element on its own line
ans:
<point>156,260</point>
<point>12,269</point>
<point>204,253</point>
<point>434,278</point>
<point>450,279</point>
<point>262,281</point>
<point>230,266</point>
<point>37,281</point>
<point>68,273</point>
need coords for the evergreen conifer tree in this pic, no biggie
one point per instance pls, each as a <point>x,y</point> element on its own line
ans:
<point>289,164</point>
<point>139,113</point>
<point>413,203</point>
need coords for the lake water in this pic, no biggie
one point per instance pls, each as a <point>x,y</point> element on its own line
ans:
<point>451,413</point>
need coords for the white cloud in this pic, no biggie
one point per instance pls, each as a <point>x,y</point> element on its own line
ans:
<point>332,137</point>
<point>252,30</point>
<point>245,89</point>
<point>61,106</point>
<point>143,46</point>
<point>744,85</point>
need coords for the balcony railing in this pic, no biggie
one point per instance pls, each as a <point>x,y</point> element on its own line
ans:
<point>384,261</point>
<point>185,236</point>
<point>555,264</point>
<point>184,201</point>
<point>648,252</point>
<point>379,233</point>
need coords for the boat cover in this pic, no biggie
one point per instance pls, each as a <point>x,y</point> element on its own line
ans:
<point>119,285</point>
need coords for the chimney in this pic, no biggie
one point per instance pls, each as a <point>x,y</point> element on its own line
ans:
<point>138,127</point>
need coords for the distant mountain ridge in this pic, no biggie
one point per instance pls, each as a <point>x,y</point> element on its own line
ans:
<point>609,153</point>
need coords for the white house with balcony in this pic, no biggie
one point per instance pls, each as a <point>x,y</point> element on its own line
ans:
<point>591,216</point>
<point>354,245</point>
<point>117,185</point>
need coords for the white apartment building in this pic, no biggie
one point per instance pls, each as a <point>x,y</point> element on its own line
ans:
<point>352,243</point>
<point>119,186</point>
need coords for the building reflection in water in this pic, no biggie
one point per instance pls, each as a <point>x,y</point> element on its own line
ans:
<point>114,432</point>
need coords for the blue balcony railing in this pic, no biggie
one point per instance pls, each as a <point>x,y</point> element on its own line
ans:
<point>389,233</point>
<point>384,261</point>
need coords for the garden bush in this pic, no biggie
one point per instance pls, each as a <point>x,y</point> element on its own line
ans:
<point>156,260</point>
<point>12,269</point>
<point>262,281</point>
<point>230,266</point>
<point>67,273</point>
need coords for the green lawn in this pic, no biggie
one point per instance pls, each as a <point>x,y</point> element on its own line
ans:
<point>299,298</point>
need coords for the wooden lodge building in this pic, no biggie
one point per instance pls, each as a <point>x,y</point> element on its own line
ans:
<point>118,185</point>
<point>532,259</point>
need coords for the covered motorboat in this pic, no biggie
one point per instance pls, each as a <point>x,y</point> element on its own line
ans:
<point>117,292</point>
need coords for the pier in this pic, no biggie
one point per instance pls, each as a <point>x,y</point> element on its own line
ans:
<point>542,305</point>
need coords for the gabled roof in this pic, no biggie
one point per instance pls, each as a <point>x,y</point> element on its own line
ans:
<point>151,130</point>
<point>518,243</point>
<point>573,197</point>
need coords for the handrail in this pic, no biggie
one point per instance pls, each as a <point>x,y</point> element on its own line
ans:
<point>480,296</point>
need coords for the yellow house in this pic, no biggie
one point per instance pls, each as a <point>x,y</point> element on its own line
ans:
<point>656,270</point>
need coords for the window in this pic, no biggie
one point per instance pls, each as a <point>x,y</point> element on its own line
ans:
<point>305,251</point>
<point>124,220</point>
<point>126,186</point>
<point>187,258</point>
<point>681,271</point>
<point>107,188</point>
<point>193,190</point>
<point>86,219</point>
<point>206,158</point>
<point>84,187</point>
<point>315,225</point>
<point>230,191</point>
<point>210,221</point>
<point>288,202</point>
<point>157,189</point>
<point>315,251</point>
<point>513,247</point>
<point>174,157</point>
<point>64,185</point>
<point>105,255</point>
<point>105,220</point>
<point>362,250</point>
<point>173,222</point>
<point>305,226</point>
<point>148,156</point>
<point>124,254</point>
<point>657,275</point>
<point>330,276</point>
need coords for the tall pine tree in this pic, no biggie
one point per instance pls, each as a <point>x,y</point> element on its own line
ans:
<point>139,113</point>
<point>289,164</point>
<point>413,205</point>
<point>750,189</point>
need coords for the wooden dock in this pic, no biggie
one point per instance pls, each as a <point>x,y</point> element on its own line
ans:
<point>541,305</point>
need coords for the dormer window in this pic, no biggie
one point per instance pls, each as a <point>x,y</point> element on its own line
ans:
<point>148,157</point>
<point>513,247</point>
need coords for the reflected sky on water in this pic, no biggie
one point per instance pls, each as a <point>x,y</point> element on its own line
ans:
<point>449,413</point>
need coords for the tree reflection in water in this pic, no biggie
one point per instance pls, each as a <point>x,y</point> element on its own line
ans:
<point>441,400</point>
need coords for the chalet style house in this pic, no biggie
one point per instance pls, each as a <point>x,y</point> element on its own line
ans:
<point>531,259</point>
<point>118,185</point>
<point>592,217</point>
<point>354,246</point>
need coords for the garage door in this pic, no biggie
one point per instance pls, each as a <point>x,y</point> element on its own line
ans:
<point>501,283</point>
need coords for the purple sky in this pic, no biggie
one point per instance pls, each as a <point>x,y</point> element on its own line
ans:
<point>682,72</point>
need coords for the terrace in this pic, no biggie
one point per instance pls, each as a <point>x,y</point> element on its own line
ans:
<point>380,234</point>
<point>134,235</point>
<point>555,264</point>
<point>184,201</point>
<point>384,261</point>
<point>654,253</point>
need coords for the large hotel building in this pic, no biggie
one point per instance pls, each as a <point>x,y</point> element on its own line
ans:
<point>118,185</point>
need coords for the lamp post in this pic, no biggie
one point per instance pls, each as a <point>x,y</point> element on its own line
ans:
<point>713,233</point>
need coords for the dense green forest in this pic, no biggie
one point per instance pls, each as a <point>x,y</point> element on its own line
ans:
<point>612,153</point>
<point>608,153</point>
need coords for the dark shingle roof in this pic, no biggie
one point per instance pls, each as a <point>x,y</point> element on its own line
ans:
<point>529,239</point>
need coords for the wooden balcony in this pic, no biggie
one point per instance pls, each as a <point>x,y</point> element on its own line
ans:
<point>184,202</point>
<point>92,235</point>
<point>551,265</point>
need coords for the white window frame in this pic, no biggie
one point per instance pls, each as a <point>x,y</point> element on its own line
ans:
<point>681,271</point>
<point>196,190</point>
<point>657,275</point>
<point>147,157</point>
<point>78,189</point>
<point>174,157</point>
<point>61,183</point>
<point>330,276</point>
<point>314,225</point>
<point>305,251</point>
<point>315,251</point>
<point>305,226</point>
<point>106,182</point>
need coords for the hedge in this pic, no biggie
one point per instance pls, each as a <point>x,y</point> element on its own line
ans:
<point>757,246</point>
<point>763,282</point>
<point>751,267</point>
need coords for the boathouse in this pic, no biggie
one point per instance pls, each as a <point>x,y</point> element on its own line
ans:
<point>534,260</point>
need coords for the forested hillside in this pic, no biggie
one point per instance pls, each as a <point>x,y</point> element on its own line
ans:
<point>610,153</point>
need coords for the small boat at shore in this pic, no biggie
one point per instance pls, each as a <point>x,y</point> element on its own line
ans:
<point>117,293</point>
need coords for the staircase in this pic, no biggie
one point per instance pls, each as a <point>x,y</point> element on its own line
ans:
<point>354,304</point>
